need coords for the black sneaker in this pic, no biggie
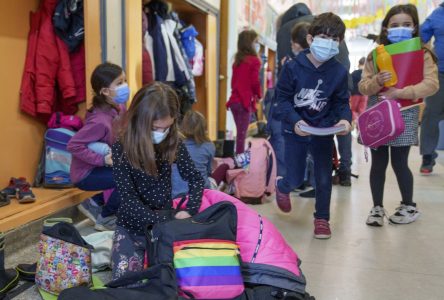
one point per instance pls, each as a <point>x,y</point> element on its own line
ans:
<point>344,177</point>
<point>428,161</point>
<point>4,199</point>
<point>308,194</point>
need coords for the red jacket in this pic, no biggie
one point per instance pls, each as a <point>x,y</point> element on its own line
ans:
<point>245,84</point>
<point>47,65</point>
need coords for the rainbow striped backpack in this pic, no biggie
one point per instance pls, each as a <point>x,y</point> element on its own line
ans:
<point>203,251</point>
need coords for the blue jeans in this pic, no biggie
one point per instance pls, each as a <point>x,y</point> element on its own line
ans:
<point>101,178</point>
<point>278,144</point>
<point>321,148</point>
<point>345,151</point>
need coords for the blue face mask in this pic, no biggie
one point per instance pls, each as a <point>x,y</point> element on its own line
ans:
<point>257,47</point>
<point>122,93</point>
<point>324,49</point>
<point>399,34</point>
<point>158,136</point>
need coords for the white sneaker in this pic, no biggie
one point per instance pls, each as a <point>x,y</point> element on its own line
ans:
<point>405,214</point>
<point>376,216</point>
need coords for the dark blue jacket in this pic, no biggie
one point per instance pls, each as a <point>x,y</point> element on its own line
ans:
<point>319,96</point>
<point>434,26</point>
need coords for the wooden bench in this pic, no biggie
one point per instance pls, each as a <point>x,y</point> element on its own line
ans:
<point>48,201</point>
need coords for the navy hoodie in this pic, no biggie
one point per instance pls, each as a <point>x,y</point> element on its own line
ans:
<point>319,96</point>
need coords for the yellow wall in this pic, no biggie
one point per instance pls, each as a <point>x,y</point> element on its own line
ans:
<point>21,136</point>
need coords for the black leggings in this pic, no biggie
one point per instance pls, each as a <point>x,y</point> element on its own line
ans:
<point>399,158</point>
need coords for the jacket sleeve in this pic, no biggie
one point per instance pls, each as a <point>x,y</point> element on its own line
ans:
<point>132,211</point>
<point>426,31</point>
<point>212,153</point>
<point>341,104</point>
<point>428,86</point>
<point>189,173</point>
<point>78,145</point>
<point>254,75</point>
<point>284,94</point>
<point>368,84</point>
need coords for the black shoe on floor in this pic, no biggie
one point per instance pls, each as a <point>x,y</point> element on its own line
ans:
<point>4,199</point>
<point>308,194</point>
<point>345,177</point>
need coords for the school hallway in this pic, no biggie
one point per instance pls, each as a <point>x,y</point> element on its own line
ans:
<point>359,262</point>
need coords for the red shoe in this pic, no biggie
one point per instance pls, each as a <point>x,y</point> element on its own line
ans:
<point>282,200</point>
<point>322,229</point>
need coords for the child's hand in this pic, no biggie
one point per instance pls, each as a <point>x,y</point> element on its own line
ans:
<point>347,127</point>
<point>298,131</point>
<point>382,77</point>
<point>391,93</point>
<point>182,215</point>
<point>108,160</point>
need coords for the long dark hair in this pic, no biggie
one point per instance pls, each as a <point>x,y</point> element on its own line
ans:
<point>153,102</point>
<point>194,127</point>
<point>408,9</point>
<point>102,76</point>
<point>245,45</point>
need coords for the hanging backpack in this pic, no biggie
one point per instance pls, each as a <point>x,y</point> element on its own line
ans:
<point>53,170</point>
<point>203,251</point>
<point>187,37</point>
<point>255,182</point>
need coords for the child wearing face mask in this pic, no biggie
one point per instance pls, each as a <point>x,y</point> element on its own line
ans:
<point>245,84</point>
<point>313,90</point>
<point>401,23</point>
<point>201,149</point>
<point>90,170</point>
<point>147,146</point>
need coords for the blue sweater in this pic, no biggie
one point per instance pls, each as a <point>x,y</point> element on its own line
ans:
<point>434,26</point>
<point>319,96</point>
<point>202,156</point>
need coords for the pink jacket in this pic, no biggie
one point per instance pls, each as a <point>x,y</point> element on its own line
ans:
<point>271,248</point>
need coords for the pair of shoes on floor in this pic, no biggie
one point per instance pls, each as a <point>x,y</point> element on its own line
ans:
<point>428,161</point>
<point>404,214</point>
<point>18,188</point>
<point>9,278</point>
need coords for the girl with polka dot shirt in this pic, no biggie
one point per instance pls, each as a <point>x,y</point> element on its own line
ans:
<point>147,146</point>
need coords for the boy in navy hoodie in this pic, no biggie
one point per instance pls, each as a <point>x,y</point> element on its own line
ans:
<point>313,90</point>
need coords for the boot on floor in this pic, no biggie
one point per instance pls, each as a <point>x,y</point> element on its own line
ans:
<point>8,278</point>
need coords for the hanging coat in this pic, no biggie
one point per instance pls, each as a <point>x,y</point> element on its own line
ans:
<point>47,65</point>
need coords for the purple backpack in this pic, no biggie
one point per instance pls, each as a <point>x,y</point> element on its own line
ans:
<point>380,124</point>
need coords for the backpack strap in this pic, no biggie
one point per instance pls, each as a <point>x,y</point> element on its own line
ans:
<point>271,170</point>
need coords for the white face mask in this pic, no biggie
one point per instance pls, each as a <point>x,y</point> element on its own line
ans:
<point>158,136</point>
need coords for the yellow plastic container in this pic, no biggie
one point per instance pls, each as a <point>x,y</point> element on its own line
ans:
<point>384,63</point>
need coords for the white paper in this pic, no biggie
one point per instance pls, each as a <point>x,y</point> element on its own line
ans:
<point>322,131</point>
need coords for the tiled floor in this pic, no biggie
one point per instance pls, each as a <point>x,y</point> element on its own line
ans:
<point>400,262</point>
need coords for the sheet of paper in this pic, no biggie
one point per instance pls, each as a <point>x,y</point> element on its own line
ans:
<point>322,131</point>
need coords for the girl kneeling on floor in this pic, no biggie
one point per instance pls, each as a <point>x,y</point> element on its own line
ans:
<point>147,146</point>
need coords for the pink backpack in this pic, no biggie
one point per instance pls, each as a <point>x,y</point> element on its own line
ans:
<point>257,181</point>
<point>380,124</point>
<point>60,120</point>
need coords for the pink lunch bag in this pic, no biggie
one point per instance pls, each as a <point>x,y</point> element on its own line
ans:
<point>380,124</point>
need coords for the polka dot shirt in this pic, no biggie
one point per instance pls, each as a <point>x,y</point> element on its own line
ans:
<point>143,195</point>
